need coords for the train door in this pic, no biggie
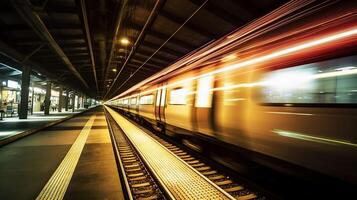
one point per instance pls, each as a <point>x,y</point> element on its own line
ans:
<point>129,104</point>
<point>137,105</point>
<point>203,105</point>
<point>163,105</point>
<point>160,105</point>
<point>157,105</point>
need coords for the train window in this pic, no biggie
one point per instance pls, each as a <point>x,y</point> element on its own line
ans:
<point>204,94</point>
<point>178,96</point>
<point>133,101</point>
<point>146,100</point>
<point>125,102</point>
<point>327,82</point>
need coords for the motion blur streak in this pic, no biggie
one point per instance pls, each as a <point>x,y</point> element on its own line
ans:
<point>276,54</point>
<point>291,113</point>
<point>333,74</point>
<point>287,51</point>
<point>287,93</point>
<point>284,80</point>
<point>312,138</point>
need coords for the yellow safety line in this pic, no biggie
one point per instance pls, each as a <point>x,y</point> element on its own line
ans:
<point>57,185</point>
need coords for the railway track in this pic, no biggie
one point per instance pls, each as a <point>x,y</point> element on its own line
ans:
<point>138,181</point>
<point>219,178</point>
<point>139,178</point>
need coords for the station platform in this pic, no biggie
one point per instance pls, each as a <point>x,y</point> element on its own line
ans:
<point>12,127</point>
<point>78,159</point>
<point>71,160</point>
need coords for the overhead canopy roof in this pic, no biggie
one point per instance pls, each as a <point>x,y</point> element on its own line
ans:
<point>77,42</point>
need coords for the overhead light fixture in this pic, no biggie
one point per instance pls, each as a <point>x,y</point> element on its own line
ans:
<point>114,70</point>
<point>124,41</point>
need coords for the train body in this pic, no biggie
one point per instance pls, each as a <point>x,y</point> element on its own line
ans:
<point>289,92</point>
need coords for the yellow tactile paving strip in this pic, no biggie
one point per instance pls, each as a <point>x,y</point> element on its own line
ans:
<point>182,181</point>
<point>99,136</point>
<point>57,185</point>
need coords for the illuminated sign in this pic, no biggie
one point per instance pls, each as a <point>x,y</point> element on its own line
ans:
<point>12,84</point>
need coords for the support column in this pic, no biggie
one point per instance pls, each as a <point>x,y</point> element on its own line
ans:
<point>60,99</point>
<point>66,101</point>
<point>48,98</point>
<point>73,101</point>
<point>32,98</point>
<point>78,101</point>
<point>82,100</point>
<point>25,86</point>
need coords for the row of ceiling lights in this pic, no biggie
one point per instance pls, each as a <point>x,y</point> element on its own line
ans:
<point>124,41</point>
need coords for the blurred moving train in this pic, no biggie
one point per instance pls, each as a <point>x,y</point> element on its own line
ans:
<point>283,86</point>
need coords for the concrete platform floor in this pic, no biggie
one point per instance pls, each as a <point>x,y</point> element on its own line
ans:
<point>13,125</point>
<point>29,163</point>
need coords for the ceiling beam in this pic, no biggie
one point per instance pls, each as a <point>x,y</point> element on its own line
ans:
<point>219,12</point>
<point>163,49</point>
<point>138,61</point>
<point>65,26</point>
<point>162,54</point>
<point>76,50</point>
<point>58,8</point>
<point>89,40</point>
<point>152,60</point>
<point>16,58</point>
<point>24,9</point>
<point>79,62</point>
<point>118,23</point>
<point>13,73</point>
<point>148,24</point>
<point>161,36</point>
<point>135,60</point>
<point>171,36</point>
<point>188,25</point>
<point>168,49</point>
<point>144,68</point>
<point>254,10</point>
<point>62,36</point>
